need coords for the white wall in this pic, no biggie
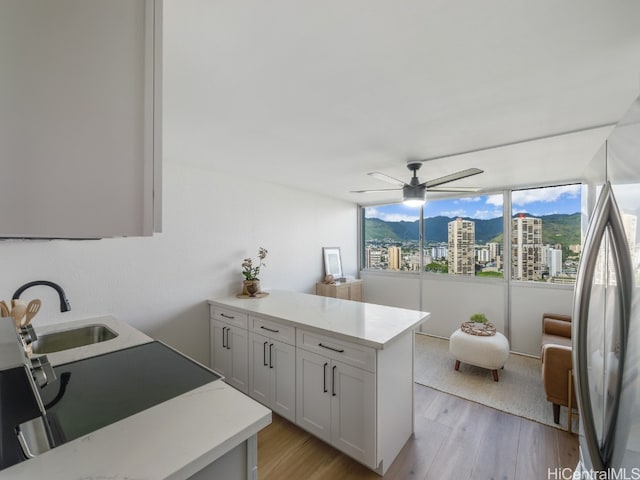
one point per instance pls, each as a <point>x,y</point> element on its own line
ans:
<point>451,300</point>
<point>528,302</point>
<point>160,284</point>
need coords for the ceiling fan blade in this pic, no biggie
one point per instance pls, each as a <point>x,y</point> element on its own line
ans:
<point>454,176</point>
<point>387,178</point>
<point>377,191</point>
<point>454,189</point>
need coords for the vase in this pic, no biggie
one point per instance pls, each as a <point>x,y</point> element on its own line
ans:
<point>246,283</point>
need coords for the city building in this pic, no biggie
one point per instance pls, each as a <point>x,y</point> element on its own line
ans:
<point>526,256</point>
<point>495,250</point>
<point>462,239</point>
<point>439,251</point>
<point>483,255</point>
<point>395,258</point>
<point>373,257</point>
<point>554,261</point>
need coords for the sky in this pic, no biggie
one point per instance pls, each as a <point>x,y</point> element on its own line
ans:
<point>536,202</point>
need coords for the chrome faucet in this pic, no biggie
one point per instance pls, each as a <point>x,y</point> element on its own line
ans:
<point>64,302</point>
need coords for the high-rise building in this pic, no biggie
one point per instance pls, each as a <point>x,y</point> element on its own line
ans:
<point>495,249</point>
<point>395,258</point>
<point>555,262</point>
<point>526,248</point>
<point>439,251</point>
<point>544,255</point>
<point>483,255</point>
<point>373,257</point>
<point>462,239</point>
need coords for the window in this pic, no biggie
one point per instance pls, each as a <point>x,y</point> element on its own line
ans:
<point>391,237</point>
<point>463,236</point>
<point>545,234</point>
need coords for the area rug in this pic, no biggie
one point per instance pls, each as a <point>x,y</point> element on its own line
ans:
<point>519,390</point>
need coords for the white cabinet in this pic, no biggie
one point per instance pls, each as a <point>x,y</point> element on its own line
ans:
<point>337,403</point>
<point>230,353</point>
<point>272,365</point>
<point>80,122</point>
<point>331,381</point>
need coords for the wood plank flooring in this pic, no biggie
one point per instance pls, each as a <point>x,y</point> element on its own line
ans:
<point>454,439</point>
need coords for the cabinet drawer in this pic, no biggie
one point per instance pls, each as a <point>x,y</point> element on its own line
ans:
<point>274,330</point>
<point>232,317</point>
<point>346,352</point>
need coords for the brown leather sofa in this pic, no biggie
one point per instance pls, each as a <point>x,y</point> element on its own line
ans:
<point>556,360</point>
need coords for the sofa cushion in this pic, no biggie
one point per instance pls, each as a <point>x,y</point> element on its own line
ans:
<point>554,326</point>
<point>553,340</point>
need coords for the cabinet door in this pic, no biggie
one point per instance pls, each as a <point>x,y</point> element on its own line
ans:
<point>238,360</point>
<point>313,400</point>
<point>343,292</point>
<point>80,132</point>
<point>353,410</point>
<point>218,347</point>
<point>355,291</point>
<point>282,357</point>
<point>259,372</point>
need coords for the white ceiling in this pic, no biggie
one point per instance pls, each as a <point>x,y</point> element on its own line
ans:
<point>317,94</point>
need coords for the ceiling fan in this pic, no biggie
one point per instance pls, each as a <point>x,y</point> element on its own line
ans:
<point>414,192</point>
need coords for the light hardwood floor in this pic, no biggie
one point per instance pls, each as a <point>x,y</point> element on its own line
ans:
<point>454,439</point>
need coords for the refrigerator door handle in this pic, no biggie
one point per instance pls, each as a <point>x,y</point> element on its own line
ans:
<point>606,216</point>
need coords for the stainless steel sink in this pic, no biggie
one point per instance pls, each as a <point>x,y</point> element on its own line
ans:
<point>77,337</point>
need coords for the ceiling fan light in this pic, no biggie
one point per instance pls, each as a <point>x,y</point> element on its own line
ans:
<point>414,196</point>
<point>414,203</point>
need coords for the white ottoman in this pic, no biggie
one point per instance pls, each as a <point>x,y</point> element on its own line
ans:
<point>487,352</point>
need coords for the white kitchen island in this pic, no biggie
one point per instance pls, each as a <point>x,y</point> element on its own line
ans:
<point>208,432</point>
<point>340,369</point>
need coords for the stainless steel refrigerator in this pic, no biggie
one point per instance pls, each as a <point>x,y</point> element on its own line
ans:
<point>606,312</point>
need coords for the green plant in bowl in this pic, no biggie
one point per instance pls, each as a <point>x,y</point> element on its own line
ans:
<point>479,318</point>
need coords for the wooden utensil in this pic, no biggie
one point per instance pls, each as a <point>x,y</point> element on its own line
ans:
<point>5,311</point>
<point>18,311</point>
<point>32,308</point>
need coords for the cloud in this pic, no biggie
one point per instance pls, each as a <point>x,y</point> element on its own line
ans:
<point>470,199</point>
<point>547,195</point>
<point>495,200</point>
<point>487,214</point>
<point>454,213</point>
<point>371,212</point>
<point>398,217</point>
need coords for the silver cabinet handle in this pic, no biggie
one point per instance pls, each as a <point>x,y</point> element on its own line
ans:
<point>606,217</point>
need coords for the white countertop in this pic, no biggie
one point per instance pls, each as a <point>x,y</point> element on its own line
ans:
<point>364,323</point>
<point>172,440</point>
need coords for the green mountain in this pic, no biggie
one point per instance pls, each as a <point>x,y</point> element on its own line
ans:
<point>557,228</point>
<point>563,229</point>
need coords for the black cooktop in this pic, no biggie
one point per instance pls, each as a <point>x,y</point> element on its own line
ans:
<point>93,393</point>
